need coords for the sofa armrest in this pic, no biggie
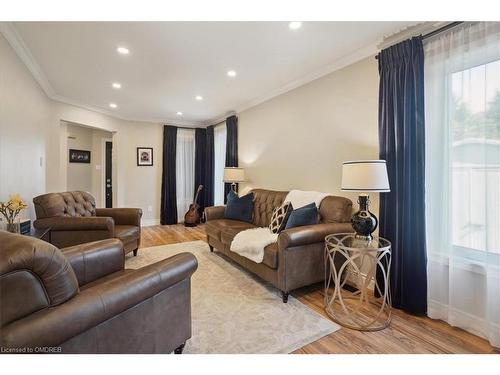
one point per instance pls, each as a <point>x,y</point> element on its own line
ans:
<point>63,223</point>
<point>97,304</point>
<point>215,212</point>
<point>122,216</point>
<point>309,234</point>
<point>94,260</point>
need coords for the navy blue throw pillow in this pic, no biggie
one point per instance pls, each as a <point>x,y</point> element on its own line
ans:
<point>239,208</point>
<point>307,215</point>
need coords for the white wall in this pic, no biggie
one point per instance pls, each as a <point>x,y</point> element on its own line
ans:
<point>33,144</point>
<point>299,140</point>
<point>24,113</point>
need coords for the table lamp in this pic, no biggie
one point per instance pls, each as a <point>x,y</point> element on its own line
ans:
<point>364,176</point>
<point>234,175</point>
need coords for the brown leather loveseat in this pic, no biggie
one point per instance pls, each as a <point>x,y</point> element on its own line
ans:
<point>74,219</point>
<point>297,259</point>
<point>82,300</point>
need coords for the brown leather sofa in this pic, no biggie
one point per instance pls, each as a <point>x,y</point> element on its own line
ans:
<point>297,259</point>
<point>82,300</point>
<point>73,219</point>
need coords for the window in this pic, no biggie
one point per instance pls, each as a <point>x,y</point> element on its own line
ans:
<point>474,156</point>
<point>220,135</point>
<point>184,171</point>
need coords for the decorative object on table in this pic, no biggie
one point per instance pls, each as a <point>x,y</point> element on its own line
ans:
<point>307,215</point>
<point>361,310</point>
<point>10,210</point>
<point>79,156</point>
<point>234,175</point>
<point>192,217</point>
<point>365,176</point>
<point>144,156</point>
<point>280,217</point>
<point>25,226</point>
<point>239,208</point>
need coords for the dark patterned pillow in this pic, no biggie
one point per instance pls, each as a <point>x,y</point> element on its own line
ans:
<point>280,216</point>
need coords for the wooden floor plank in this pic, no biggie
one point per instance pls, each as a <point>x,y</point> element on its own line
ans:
<point>406,334</point>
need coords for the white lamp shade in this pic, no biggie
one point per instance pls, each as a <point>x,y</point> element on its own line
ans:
<point>365,175</point>
<point>234,174</point>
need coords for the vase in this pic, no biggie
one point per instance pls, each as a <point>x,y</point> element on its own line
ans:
<point>14,227</point>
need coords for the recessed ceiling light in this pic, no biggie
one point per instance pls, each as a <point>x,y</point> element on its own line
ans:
<point>294,25</point>
<point>231,73</point>
<point>198,97</point>
<point>117,85</point>
<point>113,105</point>
<point>123,50</point>
<point>179,113</point>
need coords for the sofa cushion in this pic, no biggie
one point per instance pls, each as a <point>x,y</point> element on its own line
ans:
<point>265,202</point>
<point>127,233</point>
<point>280,217</point>
<point>307,215</point>
<point>214,227</point>
<point>239,208</point>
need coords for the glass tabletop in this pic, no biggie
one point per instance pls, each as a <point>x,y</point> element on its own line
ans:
<point>349,241</point>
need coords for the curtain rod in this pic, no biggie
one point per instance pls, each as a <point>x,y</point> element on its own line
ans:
<point>435,32</point>
<point>442,29</point>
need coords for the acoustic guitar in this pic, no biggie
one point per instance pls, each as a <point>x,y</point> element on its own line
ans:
<point>192,217</point>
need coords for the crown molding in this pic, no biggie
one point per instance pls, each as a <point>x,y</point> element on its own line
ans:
<point>17,43</point>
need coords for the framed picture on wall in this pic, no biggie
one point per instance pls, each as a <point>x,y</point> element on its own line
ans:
<point>79,156</point>
<point>144,156</point>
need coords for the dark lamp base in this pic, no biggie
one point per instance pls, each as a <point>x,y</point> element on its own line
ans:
<point>364,222</point>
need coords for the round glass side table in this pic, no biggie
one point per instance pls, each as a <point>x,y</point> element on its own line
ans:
<point>349,260</point>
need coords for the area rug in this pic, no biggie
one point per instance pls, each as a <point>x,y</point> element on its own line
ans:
<point>233,311</point>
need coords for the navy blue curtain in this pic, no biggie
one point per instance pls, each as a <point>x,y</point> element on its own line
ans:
<point>200,155</point>
<point>401,138</point>
<point>231,148</point>
<point>209,168</point>
<point>168,209</point>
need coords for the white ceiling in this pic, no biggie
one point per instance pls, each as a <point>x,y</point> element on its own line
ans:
<point>171,62</point>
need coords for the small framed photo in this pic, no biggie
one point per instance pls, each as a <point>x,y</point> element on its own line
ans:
<point>79,156</point>
<point>144,156</point>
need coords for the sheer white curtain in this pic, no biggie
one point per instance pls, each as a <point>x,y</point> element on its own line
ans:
<point>462,106</point>
<point>220,136</point>
<point>184,171</point>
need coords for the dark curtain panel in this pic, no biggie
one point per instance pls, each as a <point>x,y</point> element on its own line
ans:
<point>209,168</point>
<point>200,156</point>
<point>168,210</point>
<point>231,148</point>
<point>401,138</point>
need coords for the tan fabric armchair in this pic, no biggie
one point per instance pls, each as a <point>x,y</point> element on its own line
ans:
<point>297,259</point>
<point>82,300</point>
<point>73,219</point>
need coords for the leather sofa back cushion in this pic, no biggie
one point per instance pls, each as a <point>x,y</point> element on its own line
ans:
<point>239,208</point>
<point>265,202</point>
<point>38,264</point>
<point>71,203</point>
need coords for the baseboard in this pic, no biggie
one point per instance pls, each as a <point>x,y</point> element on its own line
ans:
<point>149,222</point>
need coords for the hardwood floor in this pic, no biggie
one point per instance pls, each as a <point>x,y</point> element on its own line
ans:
<point>406,334</point>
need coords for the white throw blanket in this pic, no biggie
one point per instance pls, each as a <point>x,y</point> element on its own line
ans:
<point>301,198</point>
<point>250,243</point>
